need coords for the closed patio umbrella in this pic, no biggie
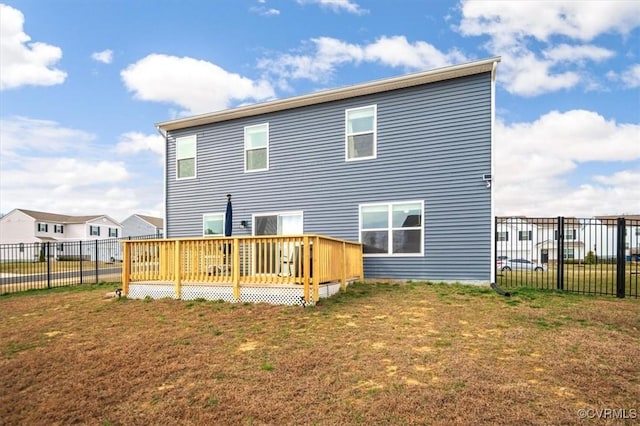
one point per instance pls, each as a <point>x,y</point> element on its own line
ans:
<point>228,218</point>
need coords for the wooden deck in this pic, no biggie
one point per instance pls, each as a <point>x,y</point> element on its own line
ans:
<point>274,269</point>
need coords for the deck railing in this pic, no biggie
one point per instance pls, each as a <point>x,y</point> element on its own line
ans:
<point>306,260</point>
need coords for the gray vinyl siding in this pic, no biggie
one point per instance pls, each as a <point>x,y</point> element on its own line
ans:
<point>433,144</point>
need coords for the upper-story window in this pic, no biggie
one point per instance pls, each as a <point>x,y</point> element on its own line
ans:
<point>94,230</point>
<point>186,157</point>
<point>569,234</point>
<point>502,235</point>
<point>256,147</point>
<point>392,228</point>
<point>58,229</point>
<point>361,133</point>
<point>43,227</point>
<point>113,232</point>
<point>525,235</point>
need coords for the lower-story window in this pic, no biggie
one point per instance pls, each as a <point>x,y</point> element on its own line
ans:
<point>284,223</point>
<point>213,224</point>
<point>393,228</point>
<point>569,253</point>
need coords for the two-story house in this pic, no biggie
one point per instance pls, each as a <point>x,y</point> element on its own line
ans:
<point>27,227</point>
<point>138,225</point>
<point>538,239</point>
<point>402,165</point>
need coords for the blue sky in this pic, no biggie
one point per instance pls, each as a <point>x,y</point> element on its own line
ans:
<point>82,84</point>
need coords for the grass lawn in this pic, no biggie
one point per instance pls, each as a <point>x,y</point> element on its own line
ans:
<point>581,278</point>
<point>394,354</point>
<point>54,266</point>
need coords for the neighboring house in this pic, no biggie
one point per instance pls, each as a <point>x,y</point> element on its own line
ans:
<point>546,241</point>
<point>402,165</point>
<point>138,225</point>
<point>537,238</point>
<point>26,227</point>
<point>515,238</point>
<point>609,238</point>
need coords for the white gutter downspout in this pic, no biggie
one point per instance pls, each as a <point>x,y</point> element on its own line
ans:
<point>164,183</point>
<point>493,173</point>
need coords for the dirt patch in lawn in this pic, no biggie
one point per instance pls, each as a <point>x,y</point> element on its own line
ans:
<point>377,354</point>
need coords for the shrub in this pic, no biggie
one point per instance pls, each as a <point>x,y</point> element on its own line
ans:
<point>590,258</point>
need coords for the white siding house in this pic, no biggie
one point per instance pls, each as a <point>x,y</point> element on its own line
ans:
<point>28,228</point>
<point>138,225</point>
<point>536,239</point>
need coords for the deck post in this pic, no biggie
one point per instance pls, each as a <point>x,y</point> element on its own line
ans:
<point>176,269</point>
<point>343,278</point>
<point>235,268</point>
<point>126,268</point>
<point>316,261</point>
<point>306,267</point>
<point>361,266</point>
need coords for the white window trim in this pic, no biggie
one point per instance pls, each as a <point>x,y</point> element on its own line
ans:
<point>347,134</point>
<point>91,228</point>
<point>195,157</point>
<point>506,235</point>
<point>390,229</point>
<point>204,234</point>
<point>246,149</point>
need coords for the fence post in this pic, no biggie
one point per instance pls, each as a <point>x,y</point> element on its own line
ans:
<point>96,260</point>
<point>560,254</point>
<point>620,258</point>
<point>494,267</point>
<point>47,252</point>
<point>80,257</point>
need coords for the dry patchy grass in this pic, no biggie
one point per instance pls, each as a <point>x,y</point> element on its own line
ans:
<point>378,354</point>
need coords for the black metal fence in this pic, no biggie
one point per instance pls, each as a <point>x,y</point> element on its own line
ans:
<point>590,256</point>
<point>49,264</point>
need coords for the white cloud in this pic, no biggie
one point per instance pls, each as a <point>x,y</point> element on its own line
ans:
<point>136,142</point>
<point>527,75</point>
<point>53,172</point>
<point>197,86</point>
<point>567,53</point>
<point>626,177</point>
<point>23,62</point>
<point>517,29</point>
<point>398,52</point>
<point>48,167</point>
<point>22,134</point>
<point>116,201</point>
<point>338,6</point>
<point>105,56</point>
<point>264,11</point>
<point>534,162</point>
<point>631,76</point>
<point>509,22</point>
<point>329,53</point>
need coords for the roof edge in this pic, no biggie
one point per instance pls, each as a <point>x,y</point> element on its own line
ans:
<point>376,86</point>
